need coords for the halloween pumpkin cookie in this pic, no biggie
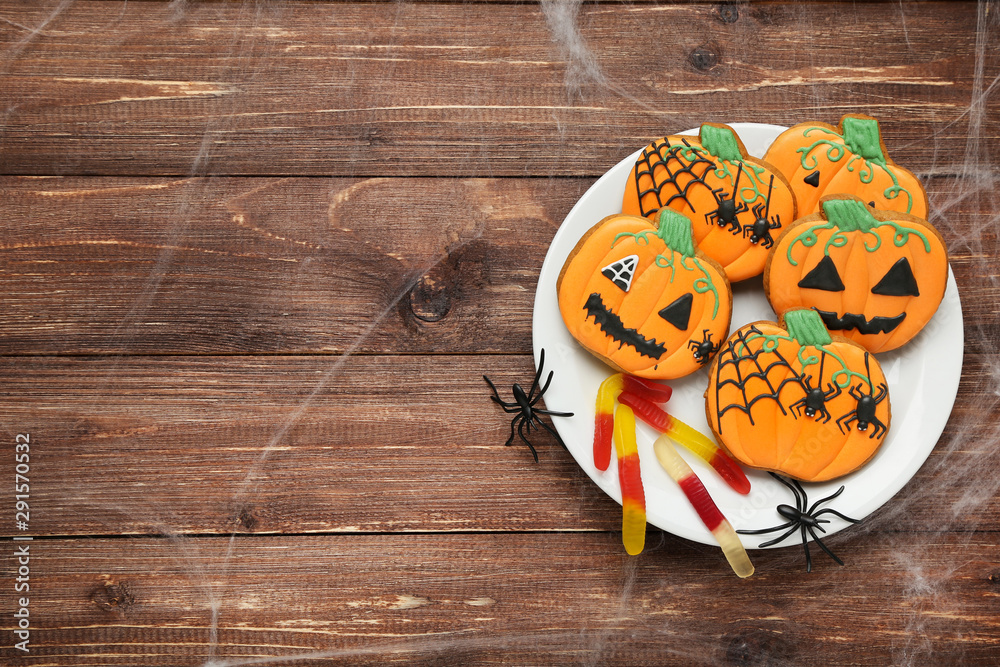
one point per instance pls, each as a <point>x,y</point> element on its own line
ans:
<point>877,277</point>
<point>738,203</point>
<point>642,298</point>
<point>820,159</point>
<point>790,398</point>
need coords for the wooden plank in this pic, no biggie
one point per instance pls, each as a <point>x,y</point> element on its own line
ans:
<point>214,445</point>
<point>352,89</point>
<point>505,599</point>
<point>301,265</point>
<point>242,266</point>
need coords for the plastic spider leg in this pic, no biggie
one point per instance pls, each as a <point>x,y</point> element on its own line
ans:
<point>534,398</point>
<point>520,431</point>
<point>496,394</point>
<point>824,500</point>
<point>507,407</point>
<point>764,545</point>
<point>513,422</point>
<point>825,549</point>
<point>805,546</point>
<point>554,433</point>
<point>553,413</point>
<point>538,374</point>
<point>796,489</point>
<point>762,531</point>
<point>834,512</point>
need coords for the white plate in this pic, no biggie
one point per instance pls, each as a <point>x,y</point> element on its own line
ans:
<point>923,382</point>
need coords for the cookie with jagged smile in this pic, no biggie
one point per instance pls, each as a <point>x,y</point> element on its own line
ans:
<point>642,298</point>
<point>876,277</point>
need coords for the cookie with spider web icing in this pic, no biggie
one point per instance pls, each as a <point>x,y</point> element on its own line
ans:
<point>791,398</point>
<point>738,204</point>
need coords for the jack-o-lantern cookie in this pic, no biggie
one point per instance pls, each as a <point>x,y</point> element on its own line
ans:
<point>877,277</point>
<point>790,398</point>
<point>642,298</point>
<point>738,204</point>
<point>819,159</point>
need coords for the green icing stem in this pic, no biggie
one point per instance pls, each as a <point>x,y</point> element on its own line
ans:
<point>675,230</point>
<point>807,328</point>
<point>863,138</point>
<point>720,142</point>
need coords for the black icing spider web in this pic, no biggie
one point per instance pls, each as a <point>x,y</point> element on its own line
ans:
<point>666,155</point>
<point>736,353</point>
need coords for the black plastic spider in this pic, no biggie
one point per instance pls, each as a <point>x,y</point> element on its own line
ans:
<point>802,519</point>
<point>524,406</point>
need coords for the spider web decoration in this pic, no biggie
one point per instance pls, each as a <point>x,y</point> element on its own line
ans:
<point>620,272</point>
<point>674,160</point>
<point>747,369</point>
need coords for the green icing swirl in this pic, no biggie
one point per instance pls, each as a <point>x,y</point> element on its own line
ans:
<point>704,284</point>
<point>852,215</point>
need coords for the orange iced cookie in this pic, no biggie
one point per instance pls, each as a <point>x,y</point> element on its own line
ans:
<point>739,204</point>
<point>642,298</point>
<point>820,159</point>
<point>790,398</point>
<point>877,277</point>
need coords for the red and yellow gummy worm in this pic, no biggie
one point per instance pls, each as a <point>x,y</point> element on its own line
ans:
<point>693,440</point>
<point>642,395</point>
<point>630,479</point>
<point>604,419</point>
<point>703,504</point>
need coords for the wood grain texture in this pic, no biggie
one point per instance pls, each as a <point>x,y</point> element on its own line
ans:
<point>505,599</point>
<point>354,89</point>
<point>213,445</point>
<point>277,266</point>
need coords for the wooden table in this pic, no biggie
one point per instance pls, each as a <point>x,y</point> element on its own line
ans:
<point>256,258</point>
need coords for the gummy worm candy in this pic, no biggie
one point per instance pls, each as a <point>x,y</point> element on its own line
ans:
<point>633,498</point>
<point>604,419</point>
<point>703,504</point>
<point>683,434</point>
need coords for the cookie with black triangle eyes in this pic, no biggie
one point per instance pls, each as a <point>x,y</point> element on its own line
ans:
<point>876,277</point>
<point>643,298</point>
